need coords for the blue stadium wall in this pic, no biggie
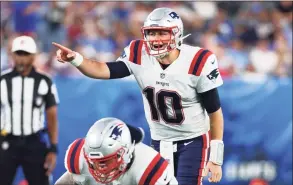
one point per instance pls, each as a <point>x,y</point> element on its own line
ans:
<point>258,122</point>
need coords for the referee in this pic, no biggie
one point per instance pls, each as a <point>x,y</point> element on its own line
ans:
<point>26,96</point>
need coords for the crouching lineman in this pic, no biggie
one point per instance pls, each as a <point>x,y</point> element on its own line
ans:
<point>112,153</point>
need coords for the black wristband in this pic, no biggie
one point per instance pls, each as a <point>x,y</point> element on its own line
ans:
<point>53,148</point>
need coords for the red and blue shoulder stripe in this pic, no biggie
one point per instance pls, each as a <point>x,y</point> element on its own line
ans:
<point>72,156</point>
<point>135,51</point>
<point>154,171</point>
<point>199,61</point>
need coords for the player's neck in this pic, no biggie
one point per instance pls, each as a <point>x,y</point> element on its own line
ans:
<point>170,58</point>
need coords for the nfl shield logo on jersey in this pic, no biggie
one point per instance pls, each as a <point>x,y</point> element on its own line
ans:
<point>213,75</point>
<point>162,75</point>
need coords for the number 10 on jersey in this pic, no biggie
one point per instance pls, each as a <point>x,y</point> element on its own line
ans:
<point>160,108</point>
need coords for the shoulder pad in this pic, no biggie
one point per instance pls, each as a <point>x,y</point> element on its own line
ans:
<point>154,170</point>
<point>72,156</point>
<point>135,48</point>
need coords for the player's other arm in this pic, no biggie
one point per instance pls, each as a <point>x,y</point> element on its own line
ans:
<point>91,68</point>
<point>217,125</point>
<point>211,103</point>
<point>209,80</point>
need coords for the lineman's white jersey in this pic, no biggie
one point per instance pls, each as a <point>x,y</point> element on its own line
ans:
<point>148,167</point>
<point>171,101</point>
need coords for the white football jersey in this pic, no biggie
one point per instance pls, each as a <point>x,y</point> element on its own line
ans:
<point>148,167</point>
<point>171,101</point>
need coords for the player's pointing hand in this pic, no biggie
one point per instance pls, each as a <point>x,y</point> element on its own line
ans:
<point>64,54</point>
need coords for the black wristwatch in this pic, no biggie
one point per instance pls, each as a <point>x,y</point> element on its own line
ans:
<point>53,148</point>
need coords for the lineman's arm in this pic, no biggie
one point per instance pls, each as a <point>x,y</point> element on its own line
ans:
<point>67,179</point>
<point>91,68</point>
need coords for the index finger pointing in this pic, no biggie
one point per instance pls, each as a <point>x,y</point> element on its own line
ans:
<point>61,47</point>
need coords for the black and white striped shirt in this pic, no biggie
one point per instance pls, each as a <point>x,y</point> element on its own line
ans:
<point>24,100</point>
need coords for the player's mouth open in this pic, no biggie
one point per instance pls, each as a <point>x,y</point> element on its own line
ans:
<point>158,46</point>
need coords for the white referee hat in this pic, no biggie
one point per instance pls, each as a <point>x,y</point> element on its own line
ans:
<point>24,43</point>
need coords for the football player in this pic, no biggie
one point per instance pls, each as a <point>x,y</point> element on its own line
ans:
<point>179,87</point>
<point>112,154</point>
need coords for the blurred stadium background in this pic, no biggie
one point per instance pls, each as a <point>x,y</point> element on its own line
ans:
<point>253,43</point>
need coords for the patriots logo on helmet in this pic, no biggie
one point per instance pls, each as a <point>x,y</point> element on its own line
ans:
<point>116,132</point>
<point>174,15</point>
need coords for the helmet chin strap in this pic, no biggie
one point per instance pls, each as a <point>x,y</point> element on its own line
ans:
<point>127,156</point>
<point>184,37</point>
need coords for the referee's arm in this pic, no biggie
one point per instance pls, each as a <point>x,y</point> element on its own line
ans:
<point>51,112</point>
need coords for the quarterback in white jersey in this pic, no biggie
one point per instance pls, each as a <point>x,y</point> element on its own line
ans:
<point>179,87</point>
<point>171,101</point>
<point>112,154</point>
